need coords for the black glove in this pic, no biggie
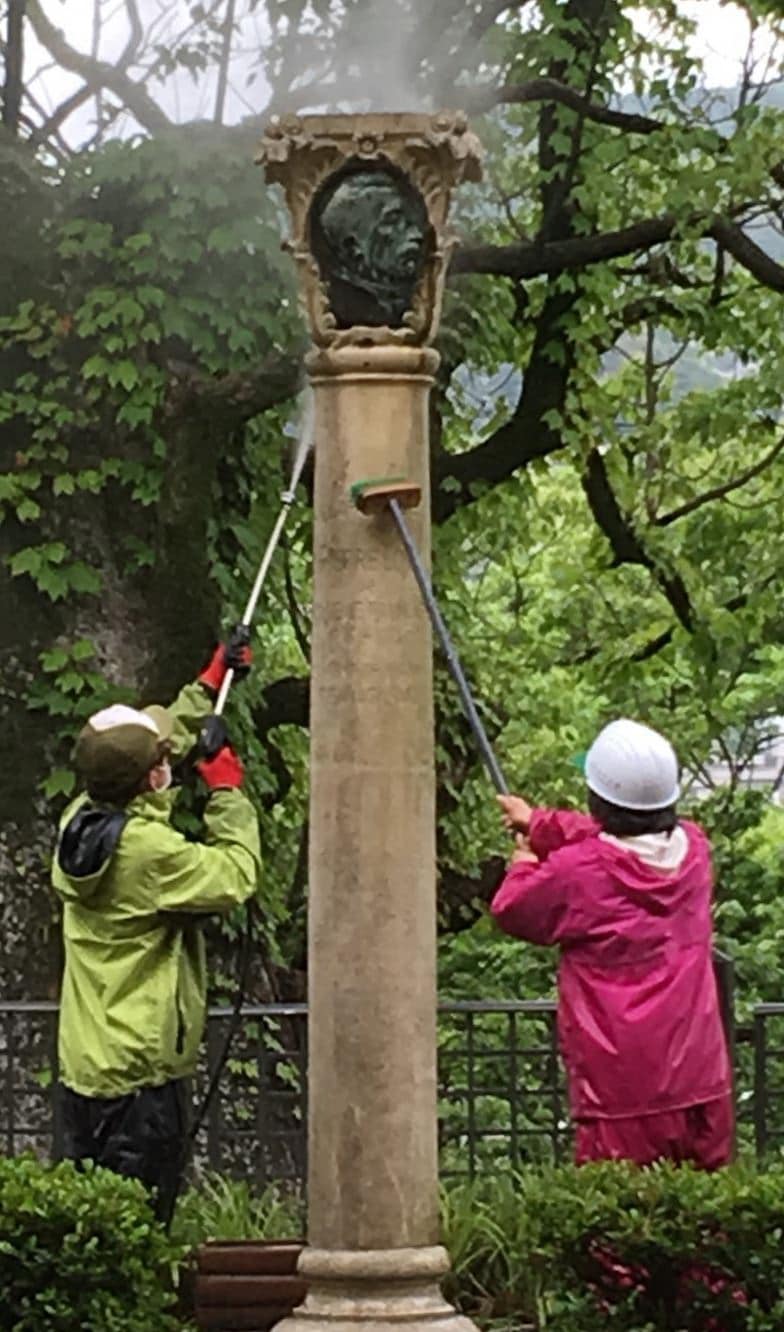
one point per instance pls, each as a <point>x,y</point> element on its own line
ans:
<point>213,737</point>
<point>233,655</point>
<point>237,653</point>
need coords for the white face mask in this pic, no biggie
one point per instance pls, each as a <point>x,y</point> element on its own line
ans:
<point>161,776</point>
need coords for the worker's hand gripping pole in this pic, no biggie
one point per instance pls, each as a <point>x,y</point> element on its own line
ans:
<point>397,495</point>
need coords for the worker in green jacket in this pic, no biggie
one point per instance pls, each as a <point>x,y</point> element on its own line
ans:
<point>135,892</point>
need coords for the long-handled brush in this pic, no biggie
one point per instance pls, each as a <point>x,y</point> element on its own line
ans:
<point>395,494</point>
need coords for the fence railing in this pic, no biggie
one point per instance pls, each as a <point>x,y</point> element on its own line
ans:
<point>768,1045</point>
<point>502,1096</point>
<point>501,1087</point>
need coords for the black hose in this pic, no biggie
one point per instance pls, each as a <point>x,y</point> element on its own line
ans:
<point>243,973</point>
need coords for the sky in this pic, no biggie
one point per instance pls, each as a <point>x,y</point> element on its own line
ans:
<point>721,39</point>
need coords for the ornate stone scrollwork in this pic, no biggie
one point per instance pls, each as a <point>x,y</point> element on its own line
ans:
<point>369,201</point>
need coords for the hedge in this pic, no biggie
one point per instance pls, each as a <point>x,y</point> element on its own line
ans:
<point>604,1247</point>
<point>610,1248</point>
<point>607,1248</point>
<point>81,1253</point>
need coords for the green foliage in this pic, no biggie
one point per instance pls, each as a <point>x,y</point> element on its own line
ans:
<point>610,1247</point>
<point>747,834</point>
<point>81,1251</point>
<point>163,260</point>
<point>142,333</point>
<point>560,628</point>
<point>603,1248</point>
<point>141,257</point>
<point>228,1209</point>
<point>483,963</point>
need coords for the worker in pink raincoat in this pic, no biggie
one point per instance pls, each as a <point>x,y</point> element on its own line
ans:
<point>625,893</point>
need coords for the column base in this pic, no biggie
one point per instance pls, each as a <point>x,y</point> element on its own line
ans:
<point>375,1290</point>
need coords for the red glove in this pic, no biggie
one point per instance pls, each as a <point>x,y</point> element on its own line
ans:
<point>223,772</point>
<point>235,655</point>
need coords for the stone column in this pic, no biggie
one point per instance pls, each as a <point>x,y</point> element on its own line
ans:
<point>374,1257</point>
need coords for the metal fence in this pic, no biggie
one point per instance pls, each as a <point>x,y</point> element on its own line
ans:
<point>767,1040</point>
<point>502,1096</point>
<point>501,1087</point>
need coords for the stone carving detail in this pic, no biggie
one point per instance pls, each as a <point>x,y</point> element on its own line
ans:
<point>434,154</point>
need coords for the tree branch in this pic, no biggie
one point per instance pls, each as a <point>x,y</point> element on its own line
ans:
<point>92,87</point>
<point>135,35</point>
<point>663,640</point>
<point>285,702</point>
<point>98,72</point>
<point>528,434</point>
<point>225,59</point>
<point>718,492</point>
<point>552,90</point>
<point>624,542</point>
<point>532,259</point>
<point>747,253</point>
<point>535,258</point>
<point>655,646</point>
<point>14,65</point>
<point>232,398</point>
<point>638,311</point>
<point>514,445</point>
<point>52,124</point>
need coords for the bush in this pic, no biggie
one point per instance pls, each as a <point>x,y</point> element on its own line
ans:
<point>81,1252</point>
<point>606,1248</point>
<point>610,1248</point>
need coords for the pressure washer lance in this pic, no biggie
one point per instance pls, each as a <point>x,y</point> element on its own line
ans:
<point>214,735</point>
<point>397,494</point>
<point>287,499</point>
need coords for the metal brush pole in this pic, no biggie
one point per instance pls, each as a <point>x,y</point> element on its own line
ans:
<point>247,618</point>
<point>287,499</point>
<point>452,660</point>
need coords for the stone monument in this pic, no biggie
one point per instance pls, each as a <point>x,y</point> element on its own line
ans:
<point>369,199</point>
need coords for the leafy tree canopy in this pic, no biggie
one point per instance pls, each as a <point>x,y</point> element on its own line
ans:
<point>607,432</point>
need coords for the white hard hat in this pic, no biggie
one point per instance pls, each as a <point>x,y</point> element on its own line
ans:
<point>632,766</point>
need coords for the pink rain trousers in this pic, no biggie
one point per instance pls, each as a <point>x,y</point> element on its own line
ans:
<point>702,1136</point>
<point>638,1014</point>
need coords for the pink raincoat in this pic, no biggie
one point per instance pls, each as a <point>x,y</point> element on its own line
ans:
<point>639,1020</point>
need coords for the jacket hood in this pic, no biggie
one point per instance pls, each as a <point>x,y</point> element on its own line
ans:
<point>662,851</point>
<point>87,843</point>
<point>653,873</point>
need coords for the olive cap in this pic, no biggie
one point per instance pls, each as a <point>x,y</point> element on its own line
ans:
<point>119,745</point>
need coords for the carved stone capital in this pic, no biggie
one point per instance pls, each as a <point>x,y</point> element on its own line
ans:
<point>434,153</point>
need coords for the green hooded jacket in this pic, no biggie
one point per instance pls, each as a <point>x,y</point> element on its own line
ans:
<point>134,991</point>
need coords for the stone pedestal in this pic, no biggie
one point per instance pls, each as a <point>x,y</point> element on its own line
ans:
<point>373,1290</point>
